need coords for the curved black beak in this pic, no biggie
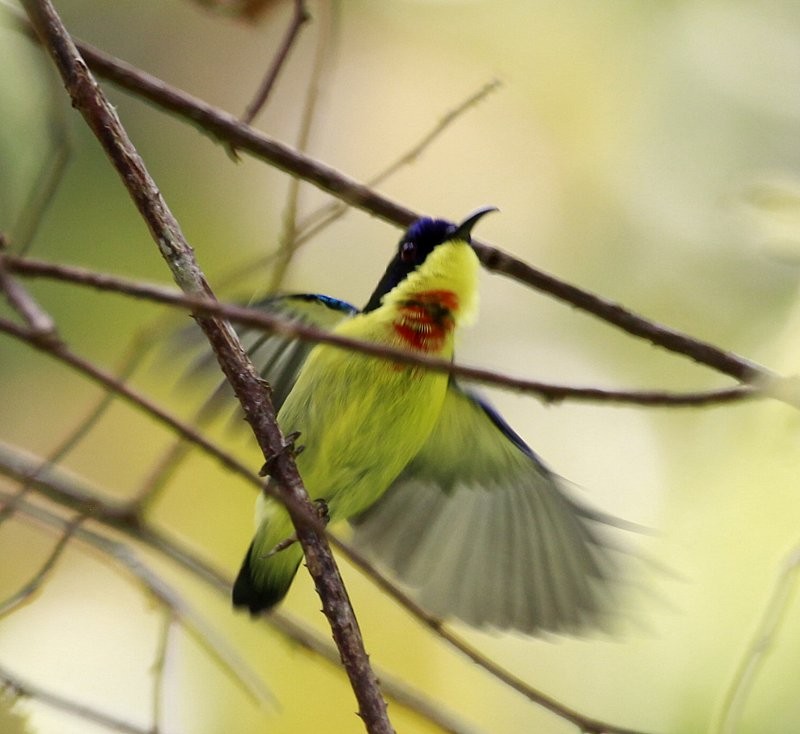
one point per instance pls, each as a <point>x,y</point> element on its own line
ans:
<point>464,230</point>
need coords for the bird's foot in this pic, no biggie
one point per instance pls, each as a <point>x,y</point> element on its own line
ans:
<point>321,507</point>
<point>322,511</point>
<point>283,545</point>
<point>289,447</point>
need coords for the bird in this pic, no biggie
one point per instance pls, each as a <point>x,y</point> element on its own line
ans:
<point>440,491</point>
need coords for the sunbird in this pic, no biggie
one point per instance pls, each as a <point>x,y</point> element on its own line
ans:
<point>437,486</point>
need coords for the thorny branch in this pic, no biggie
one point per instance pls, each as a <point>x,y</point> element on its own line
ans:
<point>102,119</point>
<point>703,353</point>
<point>62,488</point>
<point>50,481</point>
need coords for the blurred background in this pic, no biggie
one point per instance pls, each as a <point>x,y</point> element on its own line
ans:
<point>647,152</point>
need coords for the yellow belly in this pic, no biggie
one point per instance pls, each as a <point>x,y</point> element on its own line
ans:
<point>361,421</point>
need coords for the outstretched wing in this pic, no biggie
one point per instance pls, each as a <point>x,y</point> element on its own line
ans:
<point>484,532</point>
<point>277,358</point>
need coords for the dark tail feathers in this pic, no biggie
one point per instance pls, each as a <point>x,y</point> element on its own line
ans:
<point>258,598</point>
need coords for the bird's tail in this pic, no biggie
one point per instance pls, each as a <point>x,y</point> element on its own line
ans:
<point>265,578</point>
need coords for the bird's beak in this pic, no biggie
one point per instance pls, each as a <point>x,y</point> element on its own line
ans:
<point>464,230</point>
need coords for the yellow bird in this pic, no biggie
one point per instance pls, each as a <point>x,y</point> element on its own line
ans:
<point>439,489</point>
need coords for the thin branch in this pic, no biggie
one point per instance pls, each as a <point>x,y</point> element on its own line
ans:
<point>324,216</point>
<point>130,512</point>
<point>213,643</point>
<point>221,584</point>
<point>26,593</point>
<point>102,119</point>
<point>286,327</point>
<point>762,642</point>
<point>10,507</point>
<point>135,398</point>
<point>63,489</point>
<point>54,164</point>
<point>85,425</point>
<point>299,18</point>
<point>675,341</point>
<point>288,243</point>
<point>158,669</point>
<point>26,689</point>
<point>162,471</point>
<point>35,317</point>
<point>227,130</point>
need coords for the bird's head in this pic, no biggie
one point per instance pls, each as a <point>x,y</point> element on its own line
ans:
<point>434,264</point>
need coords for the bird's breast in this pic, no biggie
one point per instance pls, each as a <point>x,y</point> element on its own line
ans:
<point>425,320</point>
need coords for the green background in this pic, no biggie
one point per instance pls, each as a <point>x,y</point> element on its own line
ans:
<point>646,151</point>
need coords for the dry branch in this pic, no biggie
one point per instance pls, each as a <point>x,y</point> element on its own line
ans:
<point>102,119</point>
<point>280,325</point>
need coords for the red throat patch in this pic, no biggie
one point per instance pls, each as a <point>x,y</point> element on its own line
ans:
<point>425,320</point>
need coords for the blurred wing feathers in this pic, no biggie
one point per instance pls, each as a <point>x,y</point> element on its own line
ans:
<point>277,358</point>
<point>483,531</point>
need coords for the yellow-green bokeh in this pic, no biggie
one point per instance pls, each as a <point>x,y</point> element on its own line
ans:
<point>628,151</point>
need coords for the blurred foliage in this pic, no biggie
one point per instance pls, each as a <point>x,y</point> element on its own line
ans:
<point>252,10</point>
<point>11,721</point>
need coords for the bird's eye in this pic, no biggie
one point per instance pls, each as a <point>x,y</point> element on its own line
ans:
<point>408,251</point>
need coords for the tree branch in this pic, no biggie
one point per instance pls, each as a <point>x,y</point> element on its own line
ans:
<point>26,689</point>
<point>102,119</point>
<point>215,645</point>
<point>226,129</point>
<point>62,488</point>
<point>299,18</point>
<point>270,322</point>
<point>107,380</point>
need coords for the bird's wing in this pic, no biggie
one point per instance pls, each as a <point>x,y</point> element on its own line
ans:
<point>278,358</point>
<point>484,532</point>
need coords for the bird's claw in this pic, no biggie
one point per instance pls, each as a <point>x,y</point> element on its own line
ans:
<point>288,447</point>
<point>322,510</point>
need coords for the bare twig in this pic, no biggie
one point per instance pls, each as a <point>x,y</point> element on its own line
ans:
<point>230,131</point>
<point>62,487</point>
<point>102,119</point>
<point>26,689</point>
<point>213,643</point>
<point>324,216</point>
<point>299,17</point>
<point>288,241</point>
<point>38,321</point>
<point>27,592</point>
<point>111,382</point>
<point>280,325</point>
<point>762,642</point>
<point>158,668</point>
<point>67,491</point>
<point>44,188</point>
<point>160,473</point>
